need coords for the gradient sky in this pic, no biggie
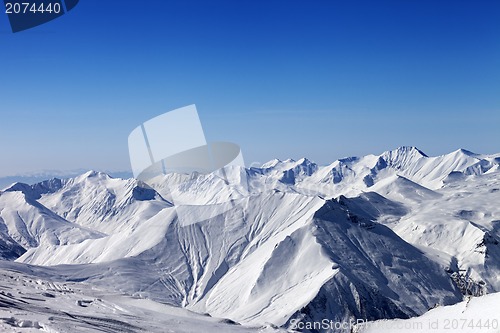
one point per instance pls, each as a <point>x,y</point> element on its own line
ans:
<point>285,79</point>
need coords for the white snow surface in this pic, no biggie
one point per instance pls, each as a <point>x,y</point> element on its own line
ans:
<point>377,237</point>
<point>31,302</point>
<point>473,315</point>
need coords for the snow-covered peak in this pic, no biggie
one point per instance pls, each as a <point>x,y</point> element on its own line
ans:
<point>272,163</point>
<point>26,222</point>
<point>117,203</point>
<point>35,191</point>
<point>19,187</point>
<point>408,150</point>
<point>289,171</point>
<point>286,164</point>
<point>403,156</point>
<point>468,153</point>
<point>304,161</point>
<point>92,174</point>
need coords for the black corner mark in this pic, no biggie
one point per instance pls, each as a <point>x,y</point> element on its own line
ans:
<point>27,14</point>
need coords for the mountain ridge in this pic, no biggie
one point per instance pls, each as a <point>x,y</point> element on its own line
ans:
<point>362,238</point>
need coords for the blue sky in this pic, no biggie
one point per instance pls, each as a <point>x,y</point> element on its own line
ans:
<point>286,79</point>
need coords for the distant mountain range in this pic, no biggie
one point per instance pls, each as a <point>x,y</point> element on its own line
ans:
<point>375,237</point>
<point>36,177</point>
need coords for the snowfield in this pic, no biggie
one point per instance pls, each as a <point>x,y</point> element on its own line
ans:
<point>261,249</point>
<point>473,315</point>
<point>30,303</point>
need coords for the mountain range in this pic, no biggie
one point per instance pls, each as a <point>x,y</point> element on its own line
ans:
<point>373,238</point>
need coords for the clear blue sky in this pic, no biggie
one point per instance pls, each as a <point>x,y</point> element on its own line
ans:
<point>321,79</point>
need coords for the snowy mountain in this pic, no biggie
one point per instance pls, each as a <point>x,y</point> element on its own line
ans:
<point>25,223</point>
<point>41,176</point>
<point>376,237</point>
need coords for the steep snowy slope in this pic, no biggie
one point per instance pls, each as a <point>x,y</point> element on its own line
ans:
<point>341,259</point>
<point>454,223</point>
<point>97,201</point>
<point>290,249</point>
<point>9,248</point>
<point>470,316</point>
<point>464,225</point>
<point>25,223</point>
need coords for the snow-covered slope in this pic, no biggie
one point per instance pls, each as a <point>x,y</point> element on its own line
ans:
<point>25,223</point>
<point>470,316</point>
<point>464,226</point>
<point>97,201</point>
<point>33,300</point>
<point>290,248</point>
<point>381,236</point>
<point>338,255</point>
